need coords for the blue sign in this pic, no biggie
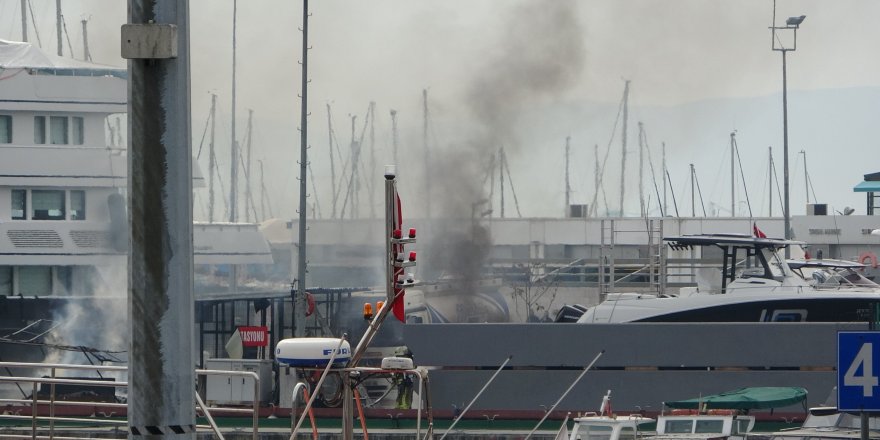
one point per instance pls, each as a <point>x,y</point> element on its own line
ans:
<point>858,371</point>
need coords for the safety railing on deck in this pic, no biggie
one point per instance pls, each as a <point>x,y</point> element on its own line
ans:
<point>14,407</point>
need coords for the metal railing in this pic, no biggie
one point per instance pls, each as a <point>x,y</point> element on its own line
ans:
<point>33,403</point>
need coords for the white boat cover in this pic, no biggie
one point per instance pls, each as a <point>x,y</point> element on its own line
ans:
<point>19,55</point>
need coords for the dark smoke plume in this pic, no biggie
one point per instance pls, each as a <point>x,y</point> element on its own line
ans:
<point>538,56</point>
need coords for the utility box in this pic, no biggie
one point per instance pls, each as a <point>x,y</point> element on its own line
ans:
<point>238,390</point>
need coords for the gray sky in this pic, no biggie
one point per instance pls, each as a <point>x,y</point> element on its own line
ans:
<point>675,53</point>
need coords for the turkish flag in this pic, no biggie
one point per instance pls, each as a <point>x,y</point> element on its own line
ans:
<point>397,307</point>
<point>758,233</point>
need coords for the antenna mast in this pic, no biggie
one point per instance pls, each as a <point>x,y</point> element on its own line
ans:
<point>87,56</point>
<point>394,137</point>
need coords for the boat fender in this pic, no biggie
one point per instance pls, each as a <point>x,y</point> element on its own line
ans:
<point>868,258</point>
<point>310,300</point>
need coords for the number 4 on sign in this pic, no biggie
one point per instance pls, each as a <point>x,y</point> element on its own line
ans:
<point>866,380</point>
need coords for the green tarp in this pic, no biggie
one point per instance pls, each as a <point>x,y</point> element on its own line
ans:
<point>746,399</point>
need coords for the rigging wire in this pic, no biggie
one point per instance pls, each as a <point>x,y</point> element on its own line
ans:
<point>700,192</point>
<point>34,23</point>
<point>653,176</point>
<point>672,191</point>
<point>64,26</point>
<point>743,176</point>
<point>510,182</point>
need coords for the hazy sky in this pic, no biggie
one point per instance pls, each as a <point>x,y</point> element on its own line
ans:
<point>471,54</point>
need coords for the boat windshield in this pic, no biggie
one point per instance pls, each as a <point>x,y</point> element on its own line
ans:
<point>776,264</point>
<point>836,278</point>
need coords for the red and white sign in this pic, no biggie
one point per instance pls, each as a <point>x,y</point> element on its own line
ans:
<point>254,336</point>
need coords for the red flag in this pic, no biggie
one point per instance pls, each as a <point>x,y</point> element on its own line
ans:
<point>398,305</point>
<point>758,232</point>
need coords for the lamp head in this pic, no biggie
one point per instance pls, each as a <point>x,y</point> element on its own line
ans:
<point>795,21</point>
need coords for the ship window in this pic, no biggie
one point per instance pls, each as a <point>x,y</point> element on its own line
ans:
<point>679,426</point>
<point>5,280</point>
<point>77,205</point>
<point>76,130</point>
<point>58,130</point>
<point>5,129</point>
<point>48,204</point>
<point>39,129</point>
<point>707,426</point>
<point>19,204</point>
<point>34,280</point>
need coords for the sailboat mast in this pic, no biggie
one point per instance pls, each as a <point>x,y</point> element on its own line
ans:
<point>233,171</point>
<point>770,179</point>
<point>732,174</point>
<point>623,144</point>
<point>806,177</point>
<point>372,188</point>
<point>332,162</point>
<point>427,154</point>
<point>596,183</point>
<point>501,177</point>
<point>300,299</point>
<point>58,25</point>
<point>212,160</point>
<point>642,212</point>
<point>24,30</point>
<point>665,206</point>
<point>248,196</point>
<point>262,192</point>
<point>693,190</point>
<point>567,181</point>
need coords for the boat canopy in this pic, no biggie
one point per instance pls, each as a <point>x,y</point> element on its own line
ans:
<point>725,240</point>
<point>746,399</point>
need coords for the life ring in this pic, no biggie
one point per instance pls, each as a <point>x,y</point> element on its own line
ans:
<point>868,259</point>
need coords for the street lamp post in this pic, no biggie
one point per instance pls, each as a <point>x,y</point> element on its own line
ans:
<point>791,25</point>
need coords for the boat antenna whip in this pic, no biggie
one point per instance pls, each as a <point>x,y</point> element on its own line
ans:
<point>460,416</point>
<point>570,387</point>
